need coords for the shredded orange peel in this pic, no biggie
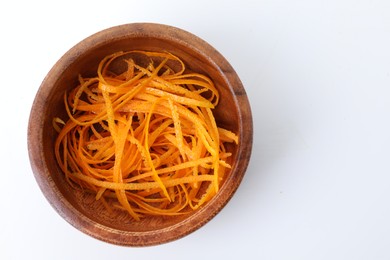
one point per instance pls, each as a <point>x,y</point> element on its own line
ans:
<point>145,139</point>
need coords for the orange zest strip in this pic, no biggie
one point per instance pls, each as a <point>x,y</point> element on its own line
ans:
<point>142,137</point>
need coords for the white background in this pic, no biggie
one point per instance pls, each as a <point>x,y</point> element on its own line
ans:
<point>317,74</point>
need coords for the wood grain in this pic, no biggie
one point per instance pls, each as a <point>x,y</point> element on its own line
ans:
<point>79,208</point>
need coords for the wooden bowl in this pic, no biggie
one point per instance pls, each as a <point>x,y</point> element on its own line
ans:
<point>80,209</point>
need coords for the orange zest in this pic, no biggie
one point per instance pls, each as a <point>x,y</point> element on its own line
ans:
<point>142,136</point>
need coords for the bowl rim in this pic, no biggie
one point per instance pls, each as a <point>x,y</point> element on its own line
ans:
<point>89,226</point>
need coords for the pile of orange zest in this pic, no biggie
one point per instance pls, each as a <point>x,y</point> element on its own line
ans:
<point>144,139</point>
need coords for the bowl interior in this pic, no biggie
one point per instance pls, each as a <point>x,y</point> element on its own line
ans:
<point>80,208</point>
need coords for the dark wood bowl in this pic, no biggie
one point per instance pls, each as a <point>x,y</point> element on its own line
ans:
<point>80,209</point>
